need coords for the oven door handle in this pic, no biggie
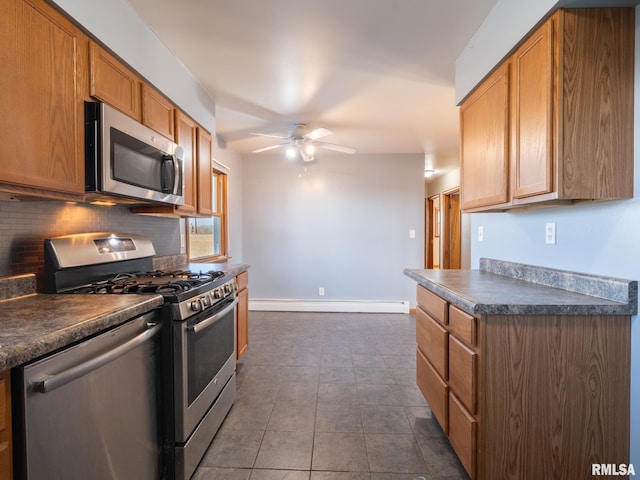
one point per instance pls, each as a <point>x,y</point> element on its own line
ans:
<point>198,327</point>
<point>77,371</point>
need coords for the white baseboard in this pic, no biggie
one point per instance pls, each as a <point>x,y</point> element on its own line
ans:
<point>347,306</point>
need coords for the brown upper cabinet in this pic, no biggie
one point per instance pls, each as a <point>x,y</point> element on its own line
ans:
<point>157,112</point>
<point>41,107</point>
<point>186,138</point>
<point>113,83</point>
<point>484,142</point>
<point>554,122</point>
<point>205,171</point>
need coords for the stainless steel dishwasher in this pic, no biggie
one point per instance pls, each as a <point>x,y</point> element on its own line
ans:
<point>92,410</point>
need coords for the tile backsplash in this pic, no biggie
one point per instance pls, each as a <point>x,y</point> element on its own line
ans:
<point>24,226</point>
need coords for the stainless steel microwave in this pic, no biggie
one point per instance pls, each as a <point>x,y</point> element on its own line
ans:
<point>126,159</point>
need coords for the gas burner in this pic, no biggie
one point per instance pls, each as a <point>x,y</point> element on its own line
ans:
<point>156,281</point>
<point>175,286</point>
<point>183,274</point>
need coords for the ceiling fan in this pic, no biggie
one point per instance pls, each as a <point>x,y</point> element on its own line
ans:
<point>303,142</point>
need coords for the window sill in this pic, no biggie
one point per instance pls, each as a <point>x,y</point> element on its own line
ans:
<point>215,259</point>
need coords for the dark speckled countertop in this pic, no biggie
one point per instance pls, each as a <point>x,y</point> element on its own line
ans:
<point>33,325</point>
<point>500,287</point>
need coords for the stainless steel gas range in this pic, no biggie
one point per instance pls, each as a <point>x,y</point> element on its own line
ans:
<point>199,337</point>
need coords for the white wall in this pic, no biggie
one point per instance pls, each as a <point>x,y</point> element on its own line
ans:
<point>598,238</point>
<point>343,225</point>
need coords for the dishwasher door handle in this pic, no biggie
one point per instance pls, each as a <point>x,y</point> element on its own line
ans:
<point>66,376</point>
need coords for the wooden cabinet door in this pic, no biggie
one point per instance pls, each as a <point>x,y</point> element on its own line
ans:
<point>484,142</point>
<point>242,319</point>
<point>186,138</point>
<point>113,83</point>
<point>157,112</point>
<point>533,109</point>
<point>41,105</point>
<point>6,460</point>
<point>205,172</point>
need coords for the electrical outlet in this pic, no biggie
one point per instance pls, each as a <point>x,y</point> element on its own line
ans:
<point>550,233</point>
<point>481,233</point>
<point>321,291</point>
<point>412,234</point>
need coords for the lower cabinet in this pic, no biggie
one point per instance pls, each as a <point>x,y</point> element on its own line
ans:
<point>6,460</point>
<point>242,319</point>
<point>527,396</point>
<point>447,374</point>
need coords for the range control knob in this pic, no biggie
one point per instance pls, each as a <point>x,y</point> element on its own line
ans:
<point>227,288</point>
<point>217,293</point>
<point>196,305</point>
<point>205,302</point>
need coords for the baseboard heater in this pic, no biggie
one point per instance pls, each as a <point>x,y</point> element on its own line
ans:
<point>342,306</point>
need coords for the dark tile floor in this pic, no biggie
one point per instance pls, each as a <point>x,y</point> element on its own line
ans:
<point>326,396</point>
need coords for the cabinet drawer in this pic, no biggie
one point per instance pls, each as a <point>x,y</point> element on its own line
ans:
<point>462,434</point>
<point>433,341</point>
<point>434,389</point>
<point>462,325</point>
<point>463,372</point>
<point>432,304</point>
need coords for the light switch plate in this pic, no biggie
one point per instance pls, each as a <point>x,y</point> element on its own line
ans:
<point>481,233</point>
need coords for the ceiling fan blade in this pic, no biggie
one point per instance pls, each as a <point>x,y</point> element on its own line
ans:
<point>337,148</point>
<point>270,136</point>
<point>270,147</point>
<point>317,133</point>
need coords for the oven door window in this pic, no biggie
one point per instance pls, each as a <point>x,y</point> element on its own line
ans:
<point>207,351</point>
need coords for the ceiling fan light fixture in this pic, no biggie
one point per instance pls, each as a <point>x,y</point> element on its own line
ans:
<point>291,152</point>
<point>428,173</point>
<point>310,149</point>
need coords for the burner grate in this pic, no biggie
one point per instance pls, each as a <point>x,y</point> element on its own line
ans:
<point>157,281</point>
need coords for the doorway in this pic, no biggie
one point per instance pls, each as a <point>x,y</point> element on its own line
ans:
<point>443,230</point>
<point>433,226</point>
<point>452,237</point>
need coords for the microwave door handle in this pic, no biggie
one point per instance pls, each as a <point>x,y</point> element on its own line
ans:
<point>163,173</point>
<point>177,178</point>
<point>77,371</point>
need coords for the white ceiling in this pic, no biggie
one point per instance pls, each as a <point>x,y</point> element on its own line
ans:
<point>378,73</point>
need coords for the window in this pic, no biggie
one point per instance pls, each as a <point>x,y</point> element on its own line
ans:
<point>207,236</point>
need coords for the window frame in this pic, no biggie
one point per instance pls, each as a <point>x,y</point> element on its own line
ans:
<point>219,175</point>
